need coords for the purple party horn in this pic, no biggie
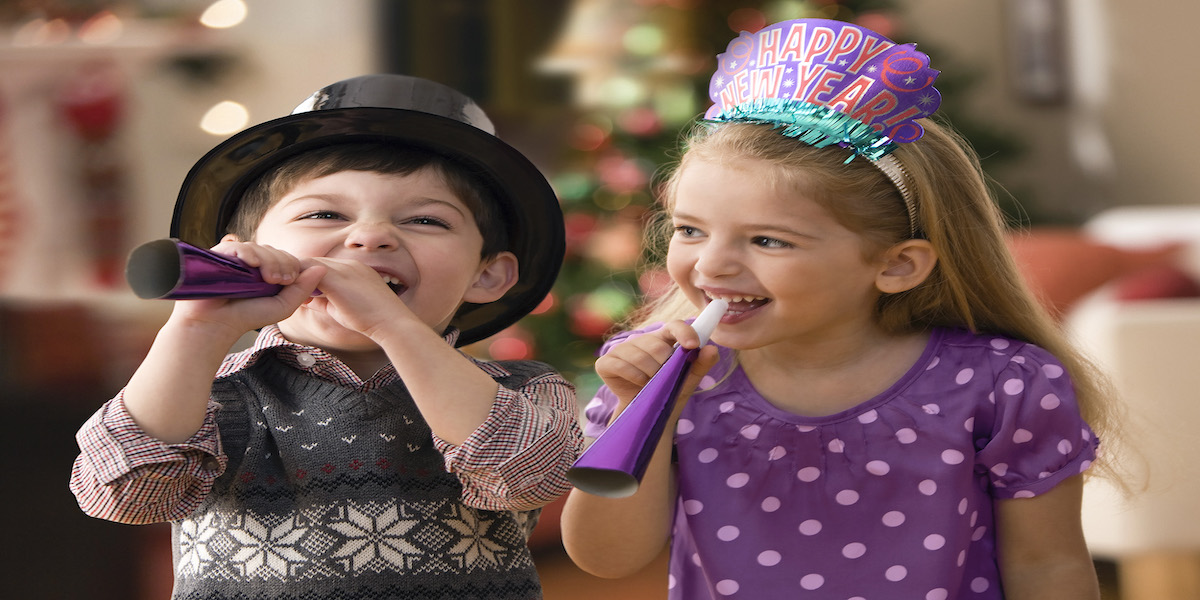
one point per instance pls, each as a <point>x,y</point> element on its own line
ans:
<point>614,464</point>
<point>170,269</point>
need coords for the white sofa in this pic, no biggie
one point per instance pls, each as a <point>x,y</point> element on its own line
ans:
<point>1151,348</point>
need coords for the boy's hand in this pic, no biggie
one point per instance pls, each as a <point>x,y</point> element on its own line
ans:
<point>628,366</point>
<point>246,314</point>
<point>356,296</point>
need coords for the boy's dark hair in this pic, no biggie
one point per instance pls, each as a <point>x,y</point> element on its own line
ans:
<point>374,157</point>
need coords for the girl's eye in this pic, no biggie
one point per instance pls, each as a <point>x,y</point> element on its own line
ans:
<point>766,242</point>
<point>686,231</point>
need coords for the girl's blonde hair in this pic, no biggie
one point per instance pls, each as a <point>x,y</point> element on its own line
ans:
<point>975,284</point>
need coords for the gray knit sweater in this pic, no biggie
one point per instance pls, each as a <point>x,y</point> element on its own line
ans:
<point>331,493</point>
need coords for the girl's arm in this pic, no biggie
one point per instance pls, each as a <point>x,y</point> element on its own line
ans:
<point>616,537</point>
<point>1041,546</point>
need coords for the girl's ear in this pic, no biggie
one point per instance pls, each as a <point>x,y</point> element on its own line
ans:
<point>229,237</point>
<point>496,277</point>
<point>905,266</point>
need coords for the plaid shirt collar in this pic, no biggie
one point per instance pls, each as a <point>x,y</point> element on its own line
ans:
<point>310,359</point>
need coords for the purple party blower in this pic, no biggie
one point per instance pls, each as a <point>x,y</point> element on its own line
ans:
<point>614,464</point>
<point>170,269</point>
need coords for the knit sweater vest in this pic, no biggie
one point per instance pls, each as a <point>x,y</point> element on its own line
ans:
<point>331,493</point>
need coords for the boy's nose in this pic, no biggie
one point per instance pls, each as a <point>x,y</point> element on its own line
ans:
<point>372,236</point>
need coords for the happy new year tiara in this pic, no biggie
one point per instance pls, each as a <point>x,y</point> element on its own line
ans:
<point>825,83</point>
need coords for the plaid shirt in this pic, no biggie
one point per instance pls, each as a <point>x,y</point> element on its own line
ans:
<point>513,461</point>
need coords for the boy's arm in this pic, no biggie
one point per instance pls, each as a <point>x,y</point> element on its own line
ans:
<point>517,459</point>
<point>123,475</point>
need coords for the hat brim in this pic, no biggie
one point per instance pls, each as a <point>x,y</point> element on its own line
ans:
<point>213,188</point>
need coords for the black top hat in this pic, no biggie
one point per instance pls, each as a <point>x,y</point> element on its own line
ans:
<point>399,109</point>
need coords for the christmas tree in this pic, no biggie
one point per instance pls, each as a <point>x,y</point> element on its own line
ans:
<point>641,71</point>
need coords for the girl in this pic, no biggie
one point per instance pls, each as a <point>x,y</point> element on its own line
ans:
<point>887,411</point>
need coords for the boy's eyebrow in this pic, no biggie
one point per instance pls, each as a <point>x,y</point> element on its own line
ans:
<point>420,201</point>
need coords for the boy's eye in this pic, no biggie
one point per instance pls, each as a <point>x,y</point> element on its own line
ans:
<point>428,221</point>
<point>320,214</point>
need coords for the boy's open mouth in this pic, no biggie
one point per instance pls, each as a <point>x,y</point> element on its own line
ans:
<point>394,283</point>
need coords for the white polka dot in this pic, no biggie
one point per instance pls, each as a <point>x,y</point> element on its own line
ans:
<point>928,487</point>
<point>962,506</point>
<point>670,582</point>
<point>695,559</point>
<point>771,504</point>
<point>1052,371</point>
<point>896,573</point>
<point>1050,402</point>
<point>1000,469</point>
<point>1020,360</point>
<point>769,558</point>
<point>777,453</point>
<point>1023,494</point>
<point>727,407</point>
<point>1012,387</point>
<point>837,445</point>
<point>979,585</point>
<point>750,432</point>
<point>1021,436</point>
<point>693,507</point>
<point>933,363</point>
<point>893,518</point>
<point>969,424</point>
<point>952,457</point>
<point>964,376</point>
<point>846,497</point>
<point>978,534</point>
<point>1065,447</point>
<point>868,417</point>
<point>974,517</point>
<point>708,455</point>
<point>932,409</point>
<point>937,594</point>
<point>878,467</point>
<point>810,527</point>
<point>727,587</point>
<point>906,436</point>
<point>808,474</point>
<point>934,542</point>
<point>684,427</point>
<point>962,558</point>
<point>728,533</point>
<point>737,480</point>
<point>999,344</point>
<point>805,428</point>
<point>812,582</point>
<point>854,550</point>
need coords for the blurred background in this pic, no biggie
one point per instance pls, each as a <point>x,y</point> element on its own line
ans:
<point>1081,110</point>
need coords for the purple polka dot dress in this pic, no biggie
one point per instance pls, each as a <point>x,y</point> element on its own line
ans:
<point>890,499</point>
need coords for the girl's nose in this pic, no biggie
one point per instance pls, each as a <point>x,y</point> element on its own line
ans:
<point>372,236</point>
<point>715,260</point>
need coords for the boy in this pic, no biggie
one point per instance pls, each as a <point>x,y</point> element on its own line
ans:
<point>352,451</point>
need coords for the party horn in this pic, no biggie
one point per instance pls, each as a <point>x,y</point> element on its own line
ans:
<point>170,269</point>
<point>614,464</point>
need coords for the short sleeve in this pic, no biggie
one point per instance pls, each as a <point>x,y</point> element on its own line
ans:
<point>1038,436</point>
